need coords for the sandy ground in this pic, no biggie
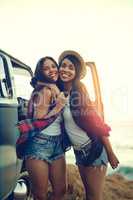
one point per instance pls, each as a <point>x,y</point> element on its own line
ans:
<point>116,187</point>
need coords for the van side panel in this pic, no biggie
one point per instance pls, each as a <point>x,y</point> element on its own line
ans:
<point>8,136</point>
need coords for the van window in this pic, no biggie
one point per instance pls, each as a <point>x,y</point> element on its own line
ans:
<point>88,81</point>
<point>22,78</point>
<point>4,86</point>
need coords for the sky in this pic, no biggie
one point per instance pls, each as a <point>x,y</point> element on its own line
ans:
<point>101,31</point>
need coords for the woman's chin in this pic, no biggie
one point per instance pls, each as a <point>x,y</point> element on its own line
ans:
<point>65,80</point>
<point>54,79</point>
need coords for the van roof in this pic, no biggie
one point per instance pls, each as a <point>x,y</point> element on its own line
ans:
<point>13,59</point>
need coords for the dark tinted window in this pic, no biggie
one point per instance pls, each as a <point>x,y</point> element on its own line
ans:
<point>4,87</point>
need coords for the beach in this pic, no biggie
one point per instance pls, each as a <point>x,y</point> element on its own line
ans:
<point>118,182</point>
<point>121,139</point>
<point>116,186</point>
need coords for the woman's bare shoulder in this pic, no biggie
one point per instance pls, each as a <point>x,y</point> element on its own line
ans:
<point>46,91</point>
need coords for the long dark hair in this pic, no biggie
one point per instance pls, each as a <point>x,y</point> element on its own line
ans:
<point>39,75</point>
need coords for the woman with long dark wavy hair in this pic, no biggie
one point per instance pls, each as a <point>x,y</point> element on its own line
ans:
<point>43,155</point>
<point>86,130</point>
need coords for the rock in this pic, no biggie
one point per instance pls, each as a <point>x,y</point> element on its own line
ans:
<point>116,186</point>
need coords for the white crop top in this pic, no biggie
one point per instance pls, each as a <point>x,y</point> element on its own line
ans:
<point>54,128</point>
<point>77,136</point>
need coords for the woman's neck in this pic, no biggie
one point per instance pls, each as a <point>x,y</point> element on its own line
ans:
<point>68,87</point>
<point>43,83</point>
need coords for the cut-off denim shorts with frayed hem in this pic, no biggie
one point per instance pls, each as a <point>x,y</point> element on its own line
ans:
<point>44,147</point>
<point>83,157</point>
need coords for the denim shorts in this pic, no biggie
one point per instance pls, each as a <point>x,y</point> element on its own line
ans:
<point>83,157</point>
<point>44,147</point>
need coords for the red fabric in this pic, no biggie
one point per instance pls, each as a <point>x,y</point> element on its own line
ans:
<point>85,114</point>
<point>24,127</point>
<point>93,123</point>
<point>39,124</point>
<point>28,125</point>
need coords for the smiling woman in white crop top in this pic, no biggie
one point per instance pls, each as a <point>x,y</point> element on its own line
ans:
<point>88,147</point>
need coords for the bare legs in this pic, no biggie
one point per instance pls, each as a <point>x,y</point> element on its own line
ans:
<point>93,180</point>
<point>39,172</point>
<point>58,178</point>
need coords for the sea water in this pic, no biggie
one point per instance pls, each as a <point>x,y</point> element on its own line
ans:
<point>121,138</point>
